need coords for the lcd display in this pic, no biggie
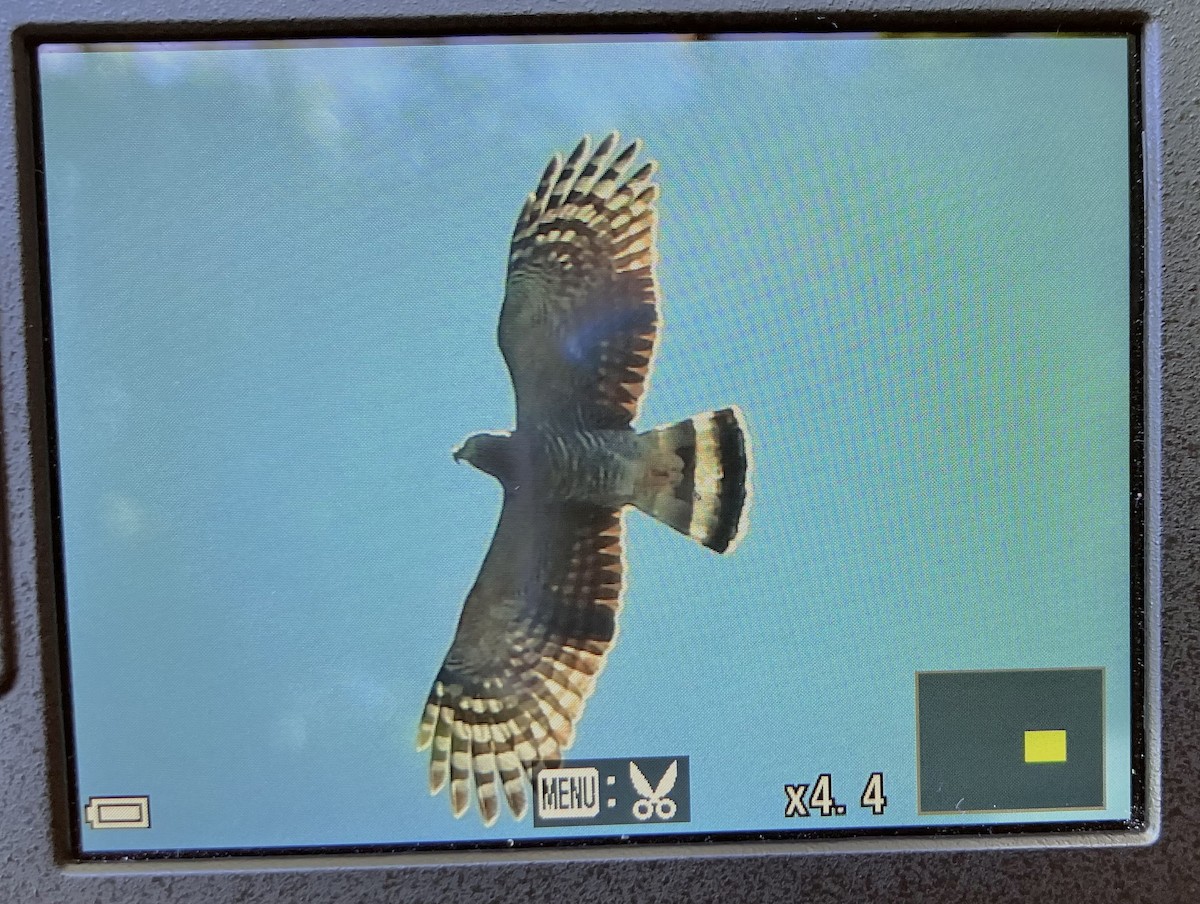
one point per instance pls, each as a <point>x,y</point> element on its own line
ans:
<point>513,441</point>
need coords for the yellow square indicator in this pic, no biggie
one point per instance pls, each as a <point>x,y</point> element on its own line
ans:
<point>1046,746</point>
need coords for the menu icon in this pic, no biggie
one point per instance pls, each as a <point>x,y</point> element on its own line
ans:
<point>606,792</point>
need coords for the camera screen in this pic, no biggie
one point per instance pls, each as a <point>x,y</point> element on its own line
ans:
<point>472,442</point>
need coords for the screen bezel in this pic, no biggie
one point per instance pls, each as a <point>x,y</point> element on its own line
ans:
<point>26,425</point>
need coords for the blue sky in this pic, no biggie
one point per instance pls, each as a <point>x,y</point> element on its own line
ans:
<point>275,280</point>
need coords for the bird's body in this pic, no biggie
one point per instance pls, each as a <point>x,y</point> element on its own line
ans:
<point>601,467</point>
<point>594,466</point>
<point>577,331</point>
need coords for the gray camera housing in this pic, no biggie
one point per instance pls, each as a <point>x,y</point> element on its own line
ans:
<point>1155,861</point>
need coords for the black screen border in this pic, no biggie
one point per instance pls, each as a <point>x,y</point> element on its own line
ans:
<point>1134,824</point>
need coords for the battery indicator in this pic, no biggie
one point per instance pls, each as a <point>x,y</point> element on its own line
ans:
<point>118,812</point>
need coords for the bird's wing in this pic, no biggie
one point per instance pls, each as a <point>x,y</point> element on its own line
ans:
<point>580,313</point>
<point>530,644</point>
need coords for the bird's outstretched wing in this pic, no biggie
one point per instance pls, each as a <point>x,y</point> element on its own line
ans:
<point>531,640</point>
<point>580,311</point>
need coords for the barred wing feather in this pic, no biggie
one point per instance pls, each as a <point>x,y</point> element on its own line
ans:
<point>580,312</point>
<point>531,641</point>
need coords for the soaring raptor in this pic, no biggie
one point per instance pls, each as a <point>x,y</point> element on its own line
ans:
<point>577,331</point>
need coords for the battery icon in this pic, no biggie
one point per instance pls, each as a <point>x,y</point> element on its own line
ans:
<point>118,812</point>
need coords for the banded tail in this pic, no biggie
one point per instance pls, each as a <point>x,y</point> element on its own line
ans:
<point>696,477</point>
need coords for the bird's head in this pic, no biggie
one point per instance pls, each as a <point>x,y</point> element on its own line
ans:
<point>486,451</point>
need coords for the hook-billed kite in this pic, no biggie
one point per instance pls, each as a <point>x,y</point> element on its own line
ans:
<point>577,331</point>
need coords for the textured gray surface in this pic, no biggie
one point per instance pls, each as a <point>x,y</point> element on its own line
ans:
<point>31,762</point>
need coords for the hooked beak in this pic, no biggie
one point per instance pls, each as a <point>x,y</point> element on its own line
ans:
<point>457,454</point>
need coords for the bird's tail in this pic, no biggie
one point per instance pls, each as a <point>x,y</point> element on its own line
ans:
<point>696,477</point>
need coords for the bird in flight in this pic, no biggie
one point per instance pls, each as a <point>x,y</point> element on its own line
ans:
<point>577,331</point>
